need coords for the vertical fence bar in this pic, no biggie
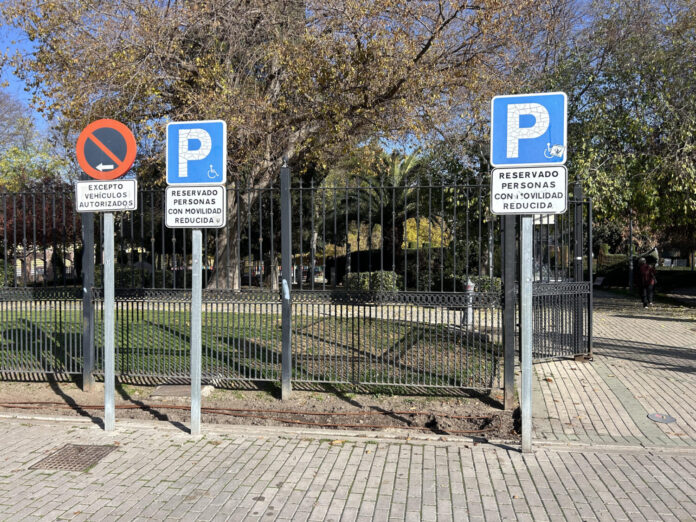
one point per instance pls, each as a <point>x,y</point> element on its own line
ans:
<point>286,252</point>
<point>590,299</point>
<point>630,251</point>
<point>260,263</point>
<point>442,234</point>
<point>313,239</point>
<point>152,238</point>
<point>578,244</point>
<point>14,239</point>
<point>491,225</point>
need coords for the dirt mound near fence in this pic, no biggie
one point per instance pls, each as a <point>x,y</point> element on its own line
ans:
<point>458,416</point>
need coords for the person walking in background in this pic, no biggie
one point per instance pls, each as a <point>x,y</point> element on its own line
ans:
<point>647,280</point>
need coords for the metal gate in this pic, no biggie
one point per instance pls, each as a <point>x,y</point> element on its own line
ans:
<point>562,299</point>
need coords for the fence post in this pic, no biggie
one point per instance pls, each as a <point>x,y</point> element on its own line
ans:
<point>579,246</point>
<point>87,304</point>
<point>590,299</point>
<point>630,252</point>
<point>286,259</point>
<point>509,270</point>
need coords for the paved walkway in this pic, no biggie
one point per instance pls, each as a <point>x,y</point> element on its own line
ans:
<point>687,296</point>
<point>596,457</point>
<point>644,362</point>
<point>158,472</point>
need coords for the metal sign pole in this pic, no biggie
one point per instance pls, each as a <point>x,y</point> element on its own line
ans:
<point>109,330</point>
<point>526,329</point>
<point>517,155</point>
<point>286,260</point>
<point>196,306</point>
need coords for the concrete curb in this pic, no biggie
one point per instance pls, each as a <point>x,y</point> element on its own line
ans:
<point>387,436</point>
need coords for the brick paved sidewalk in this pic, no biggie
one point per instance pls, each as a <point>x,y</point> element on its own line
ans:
<point>233,473</point>
<point>644,362</point>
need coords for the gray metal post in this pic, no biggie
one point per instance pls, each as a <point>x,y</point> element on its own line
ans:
<point>578,223</point>
<point>196,306</point>
<point>109,330</point>
<point>87,306</point>
<point>526,333</point>
<point>579,246</point>
<point>286,255</point>
<point>509,263</point>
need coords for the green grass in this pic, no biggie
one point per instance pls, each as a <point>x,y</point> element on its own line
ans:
<point>326,348</point>
<point>40,340</point>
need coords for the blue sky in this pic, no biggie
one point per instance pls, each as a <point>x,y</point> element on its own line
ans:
<point>12,40</point>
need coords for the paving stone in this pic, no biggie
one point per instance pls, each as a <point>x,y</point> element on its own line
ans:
<point>644,362</point>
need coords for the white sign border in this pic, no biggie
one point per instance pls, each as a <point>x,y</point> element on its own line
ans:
<point>224,153</point>
<point>109,181</point>
<point>198,186</point>
<point>565,129</point>
<point>565,199</point>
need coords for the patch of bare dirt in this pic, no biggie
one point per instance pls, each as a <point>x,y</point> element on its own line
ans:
<point>479,417</point>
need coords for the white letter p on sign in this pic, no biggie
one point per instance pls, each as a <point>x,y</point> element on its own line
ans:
<point>515,133</point>
<point>186,136</point>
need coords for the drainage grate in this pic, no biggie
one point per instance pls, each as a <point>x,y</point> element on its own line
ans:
<point>74,457</point>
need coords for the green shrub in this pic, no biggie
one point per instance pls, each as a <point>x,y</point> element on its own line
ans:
<point>380,281</point>
<point>130,277</point>
<point>481,284</point>
<point>487,284</point>
<point>608,260</point>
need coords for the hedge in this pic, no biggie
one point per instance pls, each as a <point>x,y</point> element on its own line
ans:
<point>380,281</point>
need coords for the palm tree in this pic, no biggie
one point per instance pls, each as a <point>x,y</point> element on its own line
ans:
<point>384,189</point>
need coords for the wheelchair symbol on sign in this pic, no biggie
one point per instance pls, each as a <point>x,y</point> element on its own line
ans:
<point>554,152</point>
<point>212,173</point>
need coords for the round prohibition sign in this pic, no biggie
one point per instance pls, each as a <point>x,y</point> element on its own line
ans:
<point>106,149</point>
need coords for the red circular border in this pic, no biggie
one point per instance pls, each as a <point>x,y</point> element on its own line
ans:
<point>127,162</point>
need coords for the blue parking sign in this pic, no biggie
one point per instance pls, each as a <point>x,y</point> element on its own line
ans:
<point>529,129</point>
<point>197,153</point>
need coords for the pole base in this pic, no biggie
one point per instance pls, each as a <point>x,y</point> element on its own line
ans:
<point>285,391</point>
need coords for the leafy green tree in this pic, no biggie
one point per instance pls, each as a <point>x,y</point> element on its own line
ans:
<point>630,78</point>
<point>26,155</point>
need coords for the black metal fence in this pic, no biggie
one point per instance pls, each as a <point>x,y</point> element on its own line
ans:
<point>392,284</point>
<point>40,285</point>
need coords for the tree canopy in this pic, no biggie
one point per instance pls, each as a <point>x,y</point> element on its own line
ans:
<point>629,72</point>
<point>27,159</point>
<point>290,77</point>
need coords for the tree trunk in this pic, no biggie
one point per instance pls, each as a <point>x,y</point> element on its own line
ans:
<point>227,272</point>
<point>392,239</point>
<point>313,257</point>
<point>270,270</point>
